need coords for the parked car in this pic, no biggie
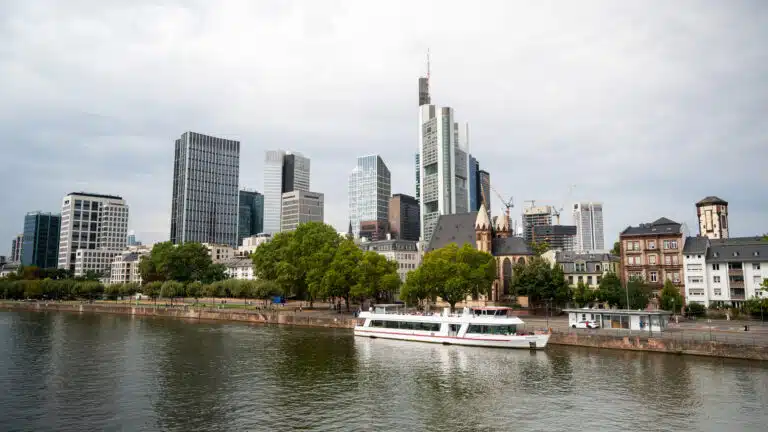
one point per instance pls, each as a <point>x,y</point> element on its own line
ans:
<point>586,324</point>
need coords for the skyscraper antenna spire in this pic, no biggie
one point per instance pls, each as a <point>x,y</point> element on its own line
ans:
<point>428,65</point>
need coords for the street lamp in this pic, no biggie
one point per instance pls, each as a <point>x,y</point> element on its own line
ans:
<point>548,304</point>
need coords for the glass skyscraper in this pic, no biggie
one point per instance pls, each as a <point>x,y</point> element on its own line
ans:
<point>370,188</point>
<point>206,172</point>
<point>283,172</point>
<point>251,215</point>
<point>41,240</point>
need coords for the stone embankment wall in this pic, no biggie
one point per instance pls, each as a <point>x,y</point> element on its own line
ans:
<point>266,317</point>
<point>639,343</point>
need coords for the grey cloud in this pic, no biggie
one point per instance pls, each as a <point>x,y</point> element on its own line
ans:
<point>647,106</point>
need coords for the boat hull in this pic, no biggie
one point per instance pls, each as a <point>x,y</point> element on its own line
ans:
<point>538,341</point>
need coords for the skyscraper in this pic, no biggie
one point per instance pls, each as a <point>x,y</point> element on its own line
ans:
<point>94,229</point>
<point>484,190</point>
<point>283,172</point>
<point>535,216</point>
<point>251,215</point>
<point>301,206</point>
<point>370,187</point>
<point>443,164</point>
<point>16,245</point>
<point>206,171</point>
<point>41,240</point>
<point>588,218</point>
<point>404,217</point>
<point>474,184</point>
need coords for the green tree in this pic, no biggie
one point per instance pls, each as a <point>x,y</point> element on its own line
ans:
<point>583,294</point>
<point>195,289</point>
<point>185,263</point>
<point>639,294</point>
<point>373,277</point>
<point>129,289</point>
<point>113,291</point>
<point>171,289</point>
<point>616,248</point>
<point>342,273</point>
<point>416,291</point>
<point>695,309</point>
<point>152,290</point>
<point>611,292</point>
<point>541,281</point>
<point>539,248</point>
<point>670,297</point>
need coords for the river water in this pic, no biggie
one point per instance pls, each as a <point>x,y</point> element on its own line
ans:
<point>70,372</point>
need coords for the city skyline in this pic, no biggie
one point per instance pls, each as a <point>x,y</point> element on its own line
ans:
<point>97,131</point>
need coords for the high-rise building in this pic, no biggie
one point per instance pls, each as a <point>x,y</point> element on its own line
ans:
<point>94,229</point>
<point>535,216</point>
<point>301,206</point>
<point>132,239</point>
<point>558,237</point>
<point>484,189</point>
<point>206,171</point>
<point>712,213</point>
<point>474,184</point>
<point>443,164</point>
<point>404,217</point>
<point>16,245</point>
<point>283,172</point>
<point>41,240</point>
<point>251,213</point>
<point>370,187</point>
<point>588,218</point>
<point>418,177</point>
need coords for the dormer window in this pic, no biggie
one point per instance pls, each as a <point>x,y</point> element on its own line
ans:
<point>735,254</point>
<point>756,253</point>
<point>716,254</point>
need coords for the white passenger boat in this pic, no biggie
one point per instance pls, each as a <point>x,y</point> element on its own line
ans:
<point>481,326</point>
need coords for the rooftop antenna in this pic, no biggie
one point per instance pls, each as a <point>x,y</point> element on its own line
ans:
<point>428,66</point>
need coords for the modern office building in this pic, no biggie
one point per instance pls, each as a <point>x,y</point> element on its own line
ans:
<point>132,239</point>
<point>474,184</point>
<point>484,189</point>
<point>94,229</point>
<point>16,245</point>
<point>251,215</point>
<point>588,218</point>
<point>443,164</point>
<point>370,187</point>
<point>712,213</point>
<point>558,237</point>
<point>535,216</point>
<point>301,206</point>
<point>283,172</point>
<point>418,177</point>
<point>404,217</point>
<point>41,240</point>
<point>206,172</point>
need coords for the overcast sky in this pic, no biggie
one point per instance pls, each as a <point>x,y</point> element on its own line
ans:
<point>645,106</point>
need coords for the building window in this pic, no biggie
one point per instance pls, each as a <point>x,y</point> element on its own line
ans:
<point>718,291</point>
<point>667,260</point>
<point>654,277</point>
<point>570,280</point>
<point>597,267</point>
<point>755,266</point>
<point>589,280</point>
<point>716,279</point>
<point>651,244</point>
<point>652,259</point>
<point>715,266</point>
<point>695,279</point>
<point>598,280</point>
<point>676,277</point>
<point>581,279</point>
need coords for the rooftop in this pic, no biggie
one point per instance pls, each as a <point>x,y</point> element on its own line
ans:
<point>696,245</point>
<point>568,256</point>
<point>710,200</point>
<point>619,311</point>
<point>658,227</point>
<point>738,249</point>
<point>93,195</point>
<point>460,229</point>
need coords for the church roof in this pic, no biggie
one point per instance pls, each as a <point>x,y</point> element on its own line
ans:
<point>483,221</point>
<point>460,229</point>
<point>711,200</point>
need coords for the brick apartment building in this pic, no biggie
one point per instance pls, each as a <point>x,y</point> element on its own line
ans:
<point>654,252</point>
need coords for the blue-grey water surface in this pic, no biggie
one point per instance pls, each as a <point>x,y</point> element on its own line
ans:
<point>70,372</point>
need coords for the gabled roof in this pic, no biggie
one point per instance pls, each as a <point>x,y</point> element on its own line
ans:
<point>455,228</point>
<point>569,256</point>
<point>657,227</point>
<point>710,200</point>
<point>510,246</point>
<point>696,245</point>
<point>743,249</point>
<point>483,221</point>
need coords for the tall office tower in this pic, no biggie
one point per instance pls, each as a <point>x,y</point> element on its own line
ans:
<point>132,239</point>
<point>588,218</point>
<point>418,177</point>
<point>41,240</point>
<point>251,215</point>
<point>484,189</point>
<point>206,171</point>
<point>535,216</point>
<point>16,245</point>
<point>474,184</point>
<point>559,237</point>
<point>404,217</point>
<point>283,172</point>
<point>370,187</point>
<point>94,229</point>
<point>301,206</point>
<point>443,165</point>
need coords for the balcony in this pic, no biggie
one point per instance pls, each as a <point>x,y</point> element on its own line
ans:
<point>735,271</point>
<point>736,284</point>
<point>737,294</point>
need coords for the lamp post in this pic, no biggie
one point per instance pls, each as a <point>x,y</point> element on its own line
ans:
<point>548,305</point>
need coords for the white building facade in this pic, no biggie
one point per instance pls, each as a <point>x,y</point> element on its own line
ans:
<point>220,252</point>
<point>239,268</point>
<point>724,272</point>
<point>588,218</point>
<point>404,252</point>
<point>299,207</point>
<point>125,265</point>
<point>94,229</point>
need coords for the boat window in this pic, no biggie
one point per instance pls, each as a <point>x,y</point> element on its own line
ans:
<point>455,328</point>
<point>406,325</point>
<point>493,329</point>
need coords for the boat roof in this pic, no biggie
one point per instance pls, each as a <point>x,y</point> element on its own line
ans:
<point>618,311</point>
<point>389,305</point>
<point>491,308</point>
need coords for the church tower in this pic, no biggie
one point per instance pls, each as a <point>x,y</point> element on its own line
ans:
<point>502,226</point>
<point>483,232</point>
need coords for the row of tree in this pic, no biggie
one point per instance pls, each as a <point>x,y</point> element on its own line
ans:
<point>230,288</point>
<point>54,289</point>
<point>37,273</point>
<point>314,262</point>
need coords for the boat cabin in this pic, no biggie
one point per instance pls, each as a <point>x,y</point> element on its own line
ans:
<point>650,321</point>
<point>498,311</point>
<point>394,308</point>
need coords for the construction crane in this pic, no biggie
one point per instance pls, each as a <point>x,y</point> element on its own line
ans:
<point>555,211</point>
<point>508,204</point>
